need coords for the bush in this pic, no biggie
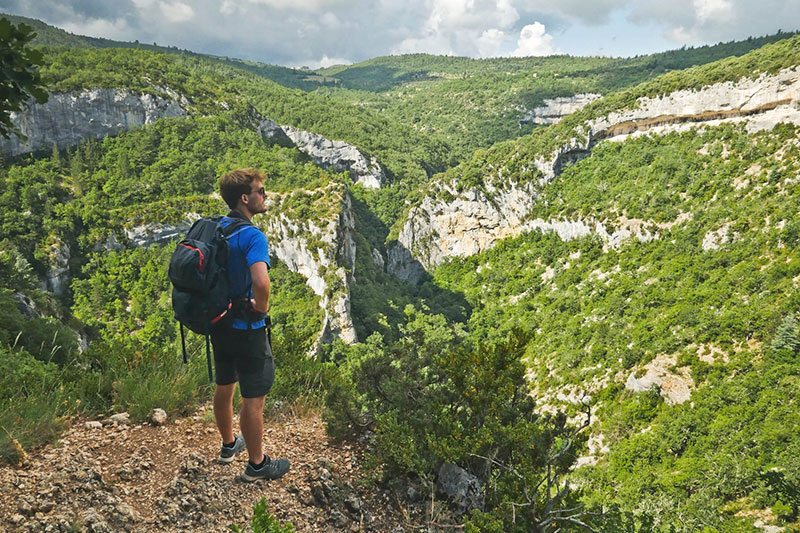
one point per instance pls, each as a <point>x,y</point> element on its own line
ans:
<point>431,397</point>
<point>263,522</point>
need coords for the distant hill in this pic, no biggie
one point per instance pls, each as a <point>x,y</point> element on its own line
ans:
<point>47,35</point>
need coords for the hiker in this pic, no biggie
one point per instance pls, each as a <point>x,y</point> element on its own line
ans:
<point>241,349</point>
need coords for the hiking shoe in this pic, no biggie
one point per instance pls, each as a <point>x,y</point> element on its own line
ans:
<point>226,454</point>
<point>271,469</point>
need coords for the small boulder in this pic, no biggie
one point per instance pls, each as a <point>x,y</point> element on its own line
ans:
<point>461,487</point>
<point>158,417</point>
<point>94,424</point>
<point>121,419</point>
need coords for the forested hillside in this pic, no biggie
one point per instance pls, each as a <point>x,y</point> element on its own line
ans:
<point>626,359</point>
<point>475,103</point>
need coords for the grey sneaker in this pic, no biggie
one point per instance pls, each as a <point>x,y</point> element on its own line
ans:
<point>272,469</point>
<point>226,455</point>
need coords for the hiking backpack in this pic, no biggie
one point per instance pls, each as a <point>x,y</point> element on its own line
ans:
<point>198,271</point>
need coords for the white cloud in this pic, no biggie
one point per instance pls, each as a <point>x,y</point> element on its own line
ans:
<point>293,31</point>
<point>696,22</point>
<point>713,10</point>
<point>461,27</point>
<point>490,41</point>
<point>308,6</point>
<point>330,20</point>
<point>176,12</point>
<point>534,41</point>
<point>323,63</point>
<point>228,7</point>
<point>107,29</point>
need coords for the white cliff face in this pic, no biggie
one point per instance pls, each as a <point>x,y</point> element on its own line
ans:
<point>149,234</point>
<point>457,224</point>
<point>323,252</point>
<point>762,102</point>
<point>67,118</point>
<point>554,109</point>
<point>338,156</point>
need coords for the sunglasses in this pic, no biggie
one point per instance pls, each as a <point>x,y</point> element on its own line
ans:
<point>260,191</point>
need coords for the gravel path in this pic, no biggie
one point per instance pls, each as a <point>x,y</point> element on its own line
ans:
<point>120,477</point>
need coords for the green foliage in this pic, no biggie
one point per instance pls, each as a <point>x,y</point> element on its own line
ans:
<point>432,397</point>
<point>263,522</point>
<point>787,337</point>
<point>603,312</point>
<point>475,103</point>
<point>19,77</point>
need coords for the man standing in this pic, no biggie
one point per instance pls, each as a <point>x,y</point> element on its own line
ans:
<point>241,350</point>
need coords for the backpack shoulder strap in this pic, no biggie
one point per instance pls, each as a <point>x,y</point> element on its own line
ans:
<point>229,230</point>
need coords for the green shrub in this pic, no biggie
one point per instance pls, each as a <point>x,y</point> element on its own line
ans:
<point>263,522</point>
<point>432,397</point>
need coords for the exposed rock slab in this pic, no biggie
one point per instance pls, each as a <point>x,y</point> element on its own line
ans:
<point>674,386</point>
<point>323,252</point>
<point>68,118</point>
<point>554,109</point>
<point>338,156</point>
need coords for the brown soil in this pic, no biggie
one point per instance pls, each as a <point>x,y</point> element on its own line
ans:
<point>147,478</point>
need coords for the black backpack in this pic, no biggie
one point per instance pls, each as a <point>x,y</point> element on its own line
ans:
<point>198,271</point>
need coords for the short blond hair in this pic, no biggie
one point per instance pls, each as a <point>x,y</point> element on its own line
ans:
<point>236,183</point>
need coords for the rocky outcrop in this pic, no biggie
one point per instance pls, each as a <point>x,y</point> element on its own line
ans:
<point>321,250</point>
<point>761,102</point>
<point>150,234</point>
<point>452,223</point>
<point>57,278</point>
<point>554,109</point>
<point>338,156</point>
<point>675,385</point>
<point>67,118</point>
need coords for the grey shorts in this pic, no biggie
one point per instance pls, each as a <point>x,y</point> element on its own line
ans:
<point>244,355</point>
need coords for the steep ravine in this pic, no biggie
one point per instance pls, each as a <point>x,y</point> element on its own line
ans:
<point>449,223</point>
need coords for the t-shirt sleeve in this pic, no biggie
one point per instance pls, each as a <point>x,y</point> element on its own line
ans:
<point>257,248</point>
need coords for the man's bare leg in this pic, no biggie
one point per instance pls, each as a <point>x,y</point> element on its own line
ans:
<point>251,419</point>
<point>223,411</point>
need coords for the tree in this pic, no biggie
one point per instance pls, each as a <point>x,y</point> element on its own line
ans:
<point>19,77</point>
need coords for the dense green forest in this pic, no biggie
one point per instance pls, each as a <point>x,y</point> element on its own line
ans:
<point>483,362</point>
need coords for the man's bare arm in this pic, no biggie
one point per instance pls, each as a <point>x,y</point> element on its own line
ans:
<point>261,286</point>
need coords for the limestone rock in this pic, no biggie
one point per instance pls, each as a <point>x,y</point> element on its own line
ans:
<point>674,386</point>
<point>323,252</point>
<point>68,118</point>
<point>554,109</point>
<point>121,418</point>
<point>158,417</point>
<point>155,233</point>
<point>338,156</point>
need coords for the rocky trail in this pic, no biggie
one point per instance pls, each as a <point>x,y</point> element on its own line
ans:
<point>115,476</point>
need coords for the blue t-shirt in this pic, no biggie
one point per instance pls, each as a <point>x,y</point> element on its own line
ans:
<point>248,245</point>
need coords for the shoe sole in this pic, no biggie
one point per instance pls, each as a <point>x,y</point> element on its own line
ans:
<point>250,479</point>
<point>226,460</point>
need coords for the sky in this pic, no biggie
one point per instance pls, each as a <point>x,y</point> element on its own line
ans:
<point>320,33</point>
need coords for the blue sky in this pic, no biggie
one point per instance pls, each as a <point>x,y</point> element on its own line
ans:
<point>318,33</point>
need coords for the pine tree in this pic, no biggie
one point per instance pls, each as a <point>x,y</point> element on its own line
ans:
<point>56,157</point>
<point>786,337</point>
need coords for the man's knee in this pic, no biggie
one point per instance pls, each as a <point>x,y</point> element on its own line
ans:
<point>224,391</point>
<point>256,403</point>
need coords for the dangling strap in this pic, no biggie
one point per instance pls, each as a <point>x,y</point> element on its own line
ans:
<point>208,359</point>
<point>183,343</point>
